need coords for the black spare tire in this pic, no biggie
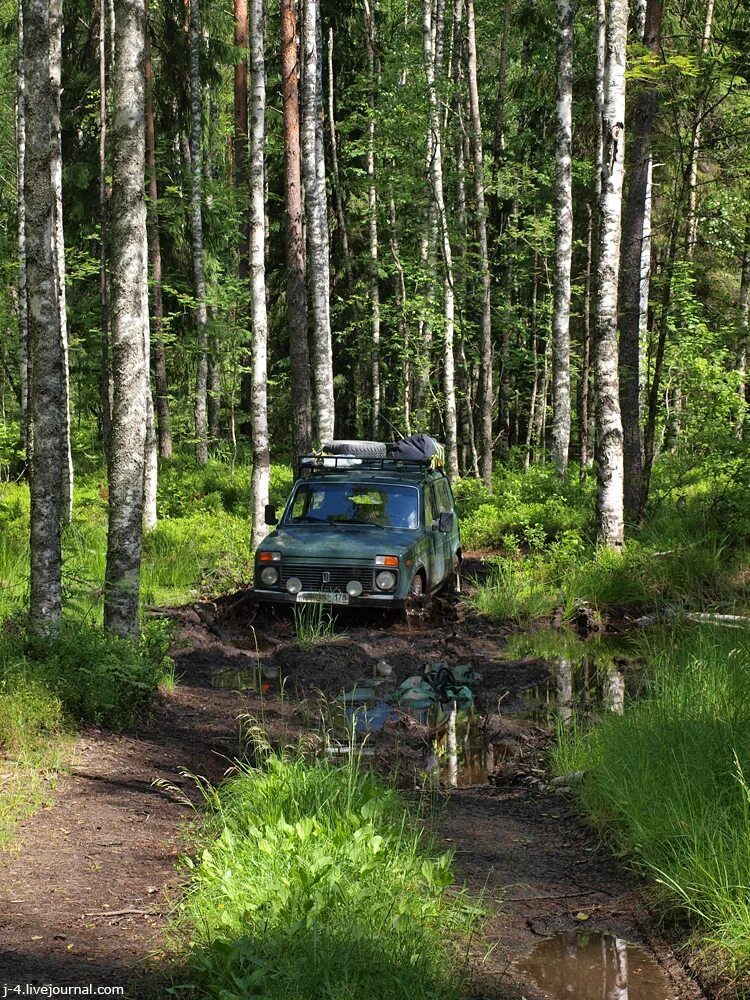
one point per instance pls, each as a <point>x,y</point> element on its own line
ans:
<point>356,449</point>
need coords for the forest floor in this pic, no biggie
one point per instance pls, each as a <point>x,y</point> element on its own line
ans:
<point>87,895</point>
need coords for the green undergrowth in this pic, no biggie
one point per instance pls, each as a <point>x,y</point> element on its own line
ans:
<point>668,783</point>
<point>51,684</point>
<point>692,551</point>
<point>316,880</point>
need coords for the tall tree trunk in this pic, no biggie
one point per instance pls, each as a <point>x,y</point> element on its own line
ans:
<point>196,218</point>
<point>164,421</point>
<point>261,454</point>
<point>563,240</point>
<point>485,343</point>
<point>403,325</point>
<point>129,318</point>
<point>47,355</point>
<point>294,239</point>
<point>609,505</point>
<point>634,221</point>
<point>317,226</point>
<point>372,202</point>
<point>498,145</point>
<point>23,311</point>
<point>691,225</point>
<point>434,30</point>
<point>585,380</point>
<point>55,64</point>
<point>742,335</point>
<point>105,401</point>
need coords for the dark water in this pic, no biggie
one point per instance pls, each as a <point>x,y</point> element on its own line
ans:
<point>588,965</point>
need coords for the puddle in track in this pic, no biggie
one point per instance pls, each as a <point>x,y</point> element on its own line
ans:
<point>589,965</point>
<point>235,679</point>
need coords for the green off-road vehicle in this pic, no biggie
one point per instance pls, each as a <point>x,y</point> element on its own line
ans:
<point>363,527</point>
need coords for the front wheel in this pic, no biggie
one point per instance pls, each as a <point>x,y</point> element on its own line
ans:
<point>416,603</point>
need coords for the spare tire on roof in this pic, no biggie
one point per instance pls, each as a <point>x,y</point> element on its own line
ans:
<point>356,449</point>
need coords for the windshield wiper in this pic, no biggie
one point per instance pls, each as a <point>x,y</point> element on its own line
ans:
<point>372,524</point>
<point>308,517</point>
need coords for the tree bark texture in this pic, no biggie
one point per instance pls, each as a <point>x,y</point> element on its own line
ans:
<point>47,355</point>
<point>55,62</point>
<point>23,311</point>
<point>609,506</point>
<point>485,341</point>
<point>163,417</point>
<point>691,225</point>
<point>196,219</point>
<point>433,29</point>
<point>294,239</point>
<point>631,278</point>
<point>105,399</point>
<point>563,240</point>
<point>261,455</point>
<point>742,335</point>
<point>129,318</point>
<point>372,216</point>
<point>317,226</point>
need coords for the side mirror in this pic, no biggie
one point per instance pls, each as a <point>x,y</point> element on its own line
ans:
<point>270,514</point>
<point>445,522</point>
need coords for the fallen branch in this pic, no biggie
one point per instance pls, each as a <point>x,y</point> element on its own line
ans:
<point>121,913</point>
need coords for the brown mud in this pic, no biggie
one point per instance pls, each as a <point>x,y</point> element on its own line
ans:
<point>86,897</point>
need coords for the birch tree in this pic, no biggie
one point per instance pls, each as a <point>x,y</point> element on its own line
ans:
<point>196,219</point>
<point>691,225</point>
<point>563,240</point>
<point>432,34</point>
<point>609,456</point>
<point>261,455</point>
<point>55,64</point>
<point>129,316</point>
<point>294,240</point>
<point>46,352</point>
<point>636,212</point>
<point>105,401</point>
<point>485,347</point>
<point>372,204</point>
<point>23,315</point>
<point>317,225</point>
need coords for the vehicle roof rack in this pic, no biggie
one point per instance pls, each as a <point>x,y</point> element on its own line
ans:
<point>332,464</point>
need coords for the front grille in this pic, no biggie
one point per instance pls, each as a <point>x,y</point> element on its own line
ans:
<point>312,576</point>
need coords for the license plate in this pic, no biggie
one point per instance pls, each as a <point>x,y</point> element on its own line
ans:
<point>321,597</point>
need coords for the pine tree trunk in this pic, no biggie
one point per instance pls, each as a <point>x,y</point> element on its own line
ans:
<point>55,63</point>
<point>609,506</point>
<point>486,394</point>
<point>317,226</point>
<point>164,421</point>
<point>261,454</point>
<point>105,401</point>
<point>432,55</point>
<point>23,311</point>
<point>129,318</point>
<point>294,239</point>
<point>196,218</point>
<point>634,222</point>
<point>372,203</point>
<point>563,241</point>
<point>46,354</point>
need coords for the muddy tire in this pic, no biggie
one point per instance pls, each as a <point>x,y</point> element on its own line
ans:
<point>417,601</point>
<point>453,586</point>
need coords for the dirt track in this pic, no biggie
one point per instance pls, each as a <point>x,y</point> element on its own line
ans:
<point>87,897</point>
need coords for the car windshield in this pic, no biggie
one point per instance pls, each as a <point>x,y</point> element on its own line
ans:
<point>380,505</point>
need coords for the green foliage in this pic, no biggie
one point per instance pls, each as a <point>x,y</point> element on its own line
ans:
<point>313,624</point>
<point>668,780</point>
<point>317,882</point>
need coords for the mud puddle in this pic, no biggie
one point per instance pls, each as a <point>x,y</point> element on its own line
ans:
<point>586,965</point>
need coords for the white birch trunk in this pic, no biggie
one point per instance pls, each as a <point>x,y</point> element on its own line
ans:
<point>486,392</point>
<point>744,315</point>
<point>372,203</point>
<point>691,228</point>
<point>317,226</point>
<point>55,63</point>
<point>47,358</point>
<point>431,52</point>
<point>129,318</point>
<point>196,218</point>
<point>259,413</point>
<point>23,314</point>
<point>609,447</point>
<point>563,240</point>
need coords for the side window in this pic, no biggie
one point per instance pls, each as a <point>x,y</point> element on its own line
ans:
<point>430,512</point>
<point>445,502</point>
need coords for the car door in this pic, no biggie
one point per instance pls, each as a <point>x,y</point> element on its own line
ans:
<point>445,542</point>
<point>435,555</point>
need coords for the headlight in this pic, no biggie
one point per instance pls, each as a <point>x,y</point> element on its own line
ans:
<point>354,588</point>
<point>269,575</point>
<point>385,580</point>
<point>293,585</point>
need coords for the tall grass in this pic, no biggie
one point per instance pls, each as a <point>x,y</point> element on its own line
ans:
<point>316,882</point>
<point>668,780</point>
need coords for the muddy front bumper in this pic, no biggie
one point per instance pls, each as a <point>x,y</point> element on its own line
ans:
<point>383,601</point>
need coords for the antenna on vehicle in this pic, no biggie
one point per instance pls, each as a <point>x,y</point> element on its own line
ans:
<point>393,428</point>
